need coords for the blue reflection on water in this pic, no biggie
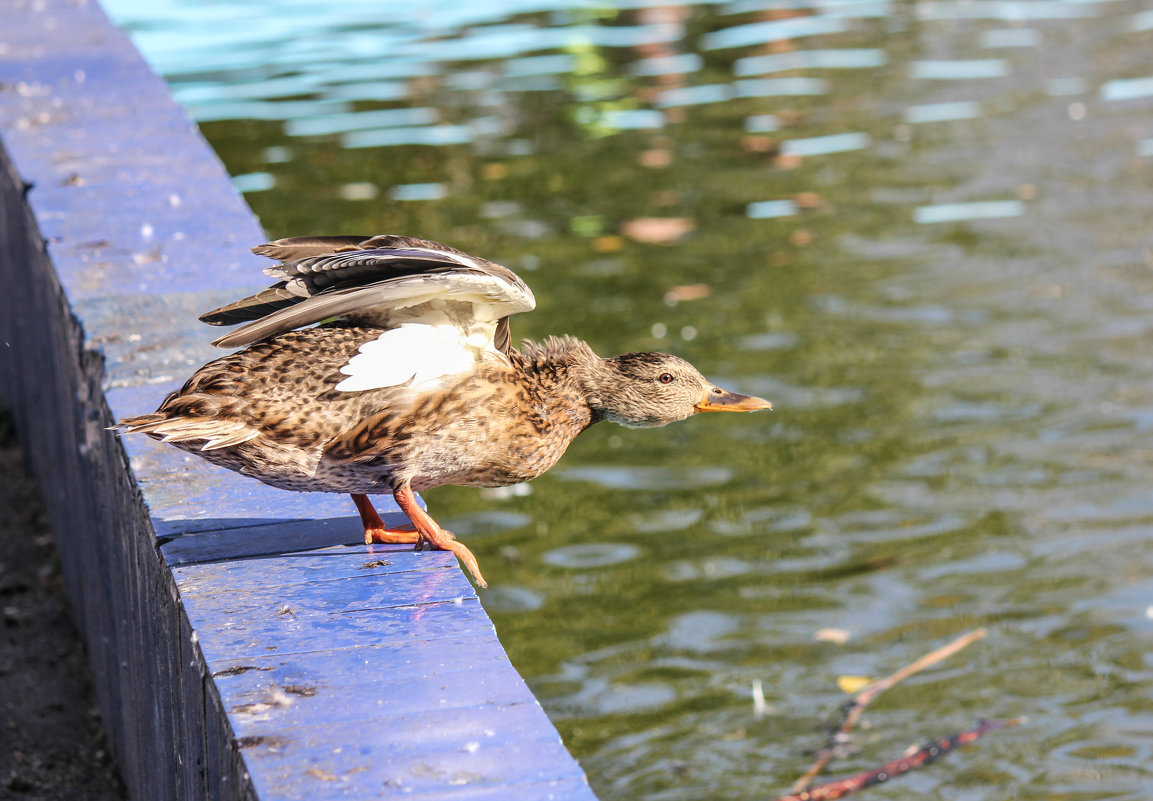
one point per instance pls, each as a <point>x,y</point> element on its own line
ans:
<point>1007,10</point>
<point>1127,89</point>
<point>253,182</point>
<point>598,554</point>
<point>762,123</point>
<point>632,119</point>
<point>429,191</point>
<point>769,209</point>
<point>540,65</point>
<point>959,69</point>
<point>1067,86</point>
<point>1142,21</point>
<point>780,87</point>
<point>848,58</point>
<point>695,95</point>
<point>668,65</point>
<point>940,112</point>
<point>957,212</point>
<point>1011,37</point>
<point>392,137</point>
<point>820,145</point>
<point>775,30</point>
<point>358,120</point>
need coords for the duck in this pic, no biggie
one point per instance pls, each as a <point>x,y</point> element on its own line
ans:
<point>384,365</point>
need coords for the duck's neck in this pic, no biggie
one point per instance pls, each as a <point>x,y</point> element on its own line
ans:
<point>567,368</point>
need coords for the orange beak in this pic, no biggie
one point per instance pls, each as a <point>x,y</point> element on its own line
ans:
<point>721,400</point>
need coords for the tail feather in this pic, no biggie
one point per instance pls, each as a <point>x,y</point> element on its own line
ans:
<point>215,433</point>
<point>138,424</point>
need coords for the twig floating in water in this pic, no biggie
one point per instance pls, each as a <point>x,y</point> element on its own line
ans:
<point>867,695</point>
<point>898,767</point>
<point>854,709</point>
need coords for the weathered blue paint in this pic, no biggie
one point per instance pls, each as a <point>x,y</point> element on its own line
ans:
<point>245,643</point>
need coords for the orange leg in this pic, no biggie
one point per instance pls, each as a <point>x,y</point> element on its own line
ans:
<point>374,529</point>
<point>424,530</point>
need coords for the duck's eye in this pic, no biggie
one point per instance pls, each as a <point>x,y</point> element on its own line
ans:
<point>665,378</point>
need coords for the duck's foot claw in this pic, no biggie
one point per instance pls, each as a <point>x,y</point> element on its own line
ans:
<point>429,531</point>
<point>443,540</point>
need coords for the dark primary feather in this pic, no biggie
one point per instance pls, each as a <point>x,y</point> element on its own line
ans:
<point>263,303</point>
<point>502,338</point>
<point>297,248</point>
<point>323,277</point>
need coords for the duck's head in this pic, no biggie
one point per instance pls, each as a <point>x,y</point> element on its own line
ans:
<point>644,390</point>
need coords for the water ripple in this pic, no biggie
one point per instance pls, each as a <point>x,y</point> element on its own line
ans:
<point>600,554</point>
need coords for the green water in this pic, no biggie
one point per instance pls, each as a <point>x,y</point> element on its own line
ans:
<point>964,403</point>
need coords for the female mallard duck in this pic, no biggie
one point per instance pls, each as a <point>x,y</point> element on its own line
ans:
<point>416,385</point>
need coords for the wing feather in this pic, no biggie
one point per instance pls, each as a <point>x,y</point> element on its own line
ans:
<point>254,307</point>
<point>395,294</point>
<point>366,279</point>
<point>415,354</point>
<point>302,247</point>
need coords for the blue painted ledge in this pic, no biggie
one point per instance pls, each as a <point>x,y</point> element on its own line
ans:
<point>244,646</point>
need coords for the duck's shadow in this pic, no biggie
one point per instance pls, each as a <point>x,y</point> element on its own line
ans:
<point>184,542</point>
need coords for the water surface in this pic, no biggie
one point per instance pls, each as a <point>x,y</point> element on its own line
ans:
<point>923,230</point>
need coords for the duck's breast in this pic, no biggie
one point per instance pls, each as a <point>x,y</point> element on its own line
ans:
<point>493,427</point>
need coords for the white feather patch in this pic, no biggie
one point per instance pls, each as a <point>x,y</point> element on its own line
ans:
<point>416,352</point>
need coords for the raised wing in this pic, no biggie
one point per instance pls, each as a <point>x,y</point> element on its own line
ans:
<point>384,281</point>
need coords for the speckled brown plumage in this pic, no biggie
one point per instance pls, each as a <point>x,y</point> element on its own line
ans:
<point>278,411</point>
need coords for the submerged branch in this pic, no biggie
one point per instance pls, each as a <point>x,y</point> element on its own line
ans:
<point>898,767</point>
<point>853,710</point>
